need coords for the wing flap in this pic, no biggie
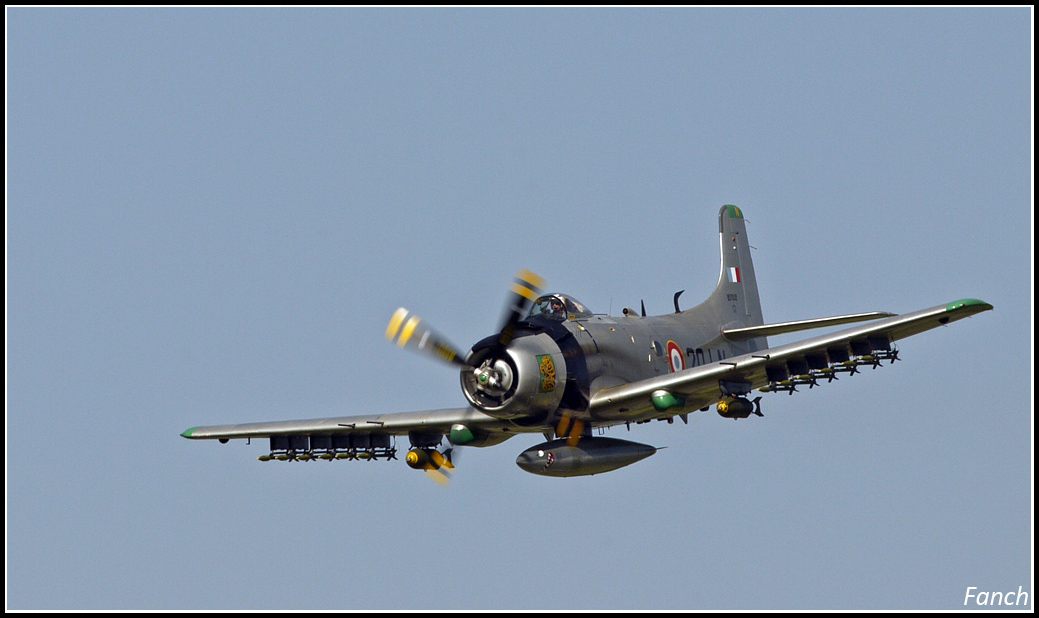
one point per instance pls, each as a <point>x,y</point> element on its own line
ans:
<point>701,386</point>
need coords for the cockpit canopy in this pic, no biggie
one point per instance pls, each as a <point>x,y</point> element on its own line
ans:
<point>558,307</point>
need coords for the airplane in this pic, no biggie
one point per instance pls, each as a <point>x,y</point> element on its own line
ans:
<point>557,369</point>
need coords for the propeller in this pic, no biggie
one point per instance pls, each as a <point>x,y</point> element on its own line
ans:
<point>524,291</point>
<point>409,331</point>
<point>572,432</point>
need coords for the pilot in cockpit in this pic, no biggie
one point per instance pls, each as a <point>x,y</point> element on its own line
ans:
<point>551,306</point>
<point>558,307</point>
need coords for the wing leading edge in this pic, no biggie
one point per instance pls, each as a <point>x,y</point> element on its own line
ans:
<point>701,386</point>
<point>395,424</point>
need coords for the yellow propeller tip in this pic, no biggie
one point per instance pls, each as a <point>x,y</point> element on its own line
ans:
<point>532,278</point>
<point>394,326</point>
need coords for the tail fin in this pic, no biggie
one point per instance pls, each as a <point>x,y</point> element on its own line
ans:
<point>735,301</point>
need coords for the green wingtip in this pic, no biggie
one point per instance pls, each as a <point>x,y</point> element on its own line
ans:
<point>968,302</point>
<point>187,434</point>
<point>734,212</point>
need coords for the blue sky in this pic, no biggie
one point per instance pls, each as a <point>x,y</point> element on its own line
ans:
<point>212,214</point>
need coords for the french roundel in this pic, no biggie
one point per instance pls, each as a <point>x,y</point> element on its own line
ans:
<point>675,357</point>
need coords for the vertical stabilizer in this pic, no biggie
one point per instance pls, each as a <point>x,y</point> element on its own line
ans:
<point>734,302</point>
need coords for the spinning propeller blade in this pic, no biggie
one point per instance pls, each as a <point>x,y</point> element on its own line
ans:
<point>570,428</point>
<point>524,291</point>
<point>409,331</point>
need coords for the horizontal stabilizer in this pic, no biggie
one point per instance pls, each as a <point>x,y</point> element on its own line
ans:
<point>767,330</point>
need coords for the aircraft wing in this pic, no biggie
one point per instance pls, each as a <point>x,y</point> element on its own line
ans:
<point>429,422</point>
<point>821,356</point>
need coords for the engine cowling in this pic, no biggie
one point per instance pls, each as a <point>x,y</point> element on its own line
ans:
<point>526,377</point>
